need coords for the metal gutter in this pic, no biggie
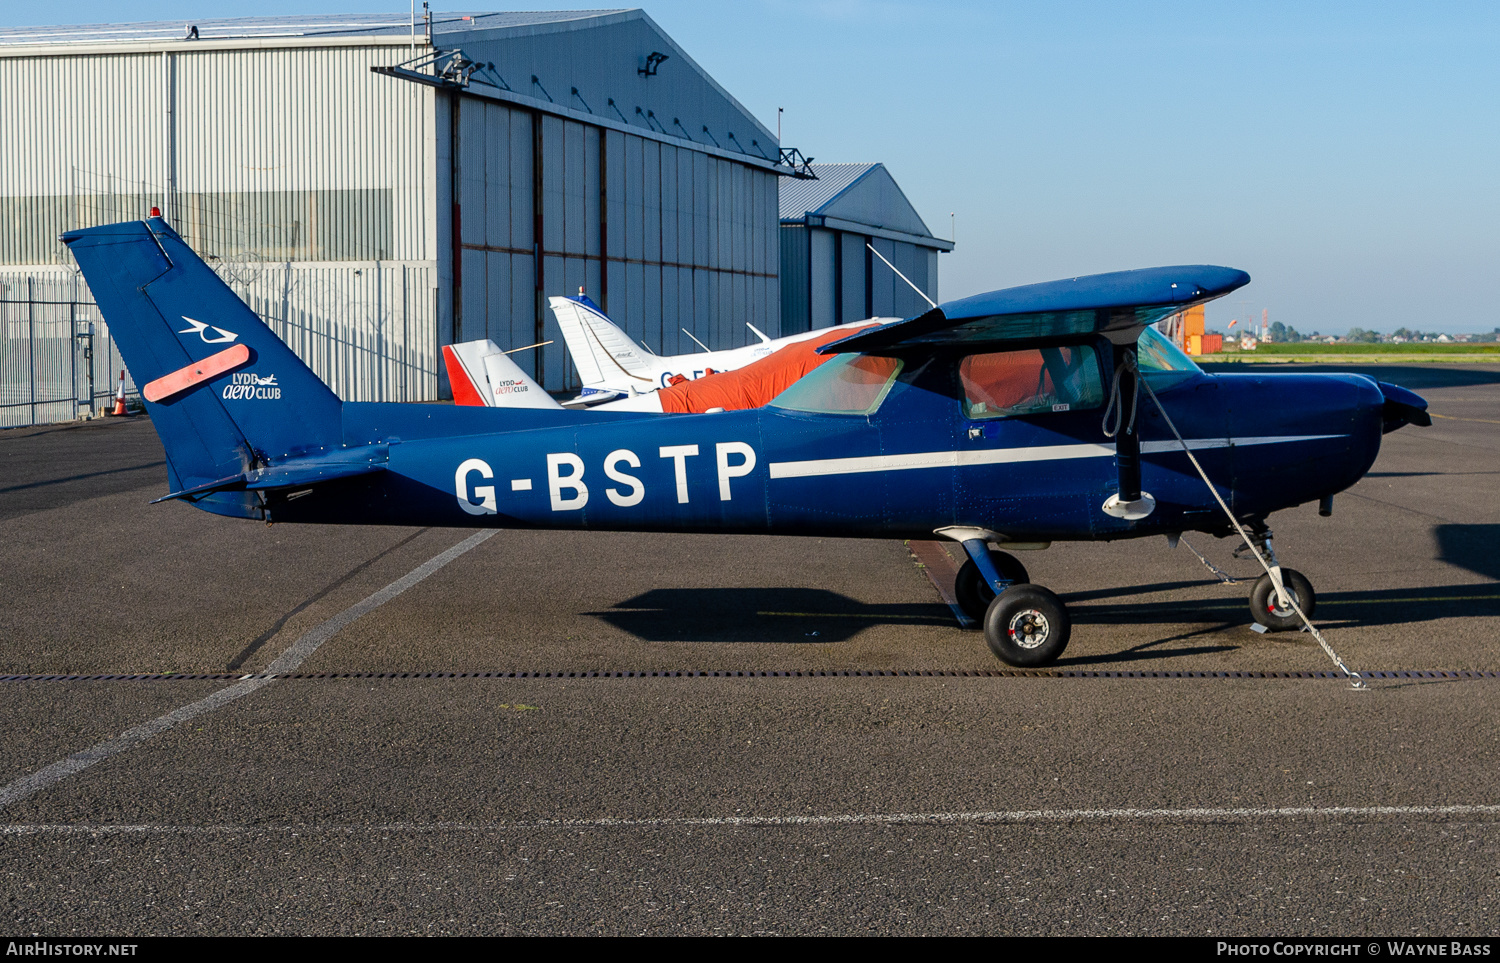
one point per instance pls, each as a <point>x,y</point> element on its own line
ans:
<point>65,48</point>
<point>544,106</point>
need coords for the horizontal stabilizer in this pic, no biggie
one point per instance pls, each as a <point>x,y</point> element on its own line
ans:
<point>589,397</point>
<point>299,473</point>
<point>1123,301</point>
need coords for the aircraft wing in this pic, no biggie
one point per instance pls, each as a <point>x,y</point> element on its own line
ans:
<point>1099,303</point>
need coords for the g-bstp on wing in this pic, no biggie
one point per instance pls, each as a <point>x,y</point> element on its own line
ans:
<point>949,422</point>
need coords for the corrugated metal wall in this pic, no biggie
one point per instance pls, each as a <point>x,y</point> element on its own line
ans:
<point>829,277</point>
<point>304,178</point>
<point>285,154</point>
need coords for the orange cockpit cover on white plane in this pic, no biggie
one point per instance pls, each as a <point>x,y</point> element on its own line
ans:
<point>757,382</point>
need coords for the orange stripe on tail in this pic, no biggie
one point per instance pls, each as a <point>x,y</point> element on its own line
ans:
<point>199,371</point>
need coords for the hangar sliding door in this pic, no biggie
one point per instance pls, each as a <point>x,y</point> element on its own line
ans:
<point>662,237</point>
<point>495,270</point>
<point>690,242</point>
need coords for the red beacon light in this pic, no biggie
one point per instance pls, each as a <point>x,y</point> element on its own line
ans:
<point>156,212</point>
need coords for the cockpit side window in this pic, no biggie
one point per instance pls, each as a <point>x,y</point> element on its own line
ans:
<point>1004,384</point>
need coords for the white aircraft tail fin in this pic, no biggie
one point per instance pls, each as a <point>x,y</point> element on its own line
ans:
<point>600,350</point>
<point>482,374</point>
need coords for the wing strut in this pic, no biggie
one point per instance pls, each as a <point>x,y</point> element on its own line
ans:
<point>1129,503</point>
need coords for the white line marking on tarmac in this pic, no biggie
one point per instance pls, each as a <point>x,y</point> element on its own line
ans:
<point>771,822</point>
<point>288,661</point>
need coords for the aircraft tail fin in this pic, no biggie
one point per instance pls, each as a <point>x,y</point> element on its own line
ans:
<point>482,374</point>
<point>226,395</point>
<point>601,351</point>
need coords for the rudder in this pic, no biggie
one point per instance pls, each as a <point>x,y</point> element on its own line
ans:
<point>601,351</point>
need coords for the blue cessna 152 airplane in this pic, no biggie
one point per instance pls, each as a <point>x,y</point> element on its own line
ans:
<point>986,420</point>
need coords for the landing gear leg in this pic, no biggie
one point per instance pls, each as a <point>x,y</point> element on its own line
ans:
<point>1025,625</point>
<point>1271,597</point>
<point>975,593</point>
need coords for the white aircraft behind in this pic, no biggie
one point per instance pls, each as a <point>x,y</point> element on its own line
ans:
<point>612,365</point>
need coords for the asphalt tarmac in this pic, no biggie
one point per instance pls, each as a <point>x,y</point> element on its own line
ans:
<point>764,754</point>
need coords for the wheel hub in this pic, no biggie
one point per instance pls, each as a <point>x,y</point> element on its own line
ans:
<point>1275,607</point>
<point>1029,628</point>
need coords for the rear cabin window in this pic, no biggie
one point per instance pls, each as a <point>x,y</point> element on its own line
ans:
<point>1004,384</point>
<point>849,384</point>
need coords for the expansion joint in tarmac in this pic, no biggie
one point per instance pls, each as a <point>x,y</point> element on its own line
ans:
<point>764,674</point>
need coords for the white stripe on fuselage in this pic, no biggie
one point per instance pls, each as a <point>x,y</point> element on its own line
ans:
<point>1005,456</point>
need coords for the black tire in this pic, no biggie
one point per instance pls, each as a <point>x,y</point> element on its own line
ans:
<point>1265,610</point>
<point>1027,626</point>
<point>974,593</point>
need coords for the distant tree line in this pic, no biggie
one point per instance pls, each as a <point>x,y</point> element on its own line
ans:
<point>1285,333</point>
<point>1362,336</point>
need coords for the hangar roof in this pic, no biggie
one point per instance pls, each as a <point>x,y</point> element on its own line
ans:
<point>309,26</point>
<point>846,196</point>
<point>583,62</point>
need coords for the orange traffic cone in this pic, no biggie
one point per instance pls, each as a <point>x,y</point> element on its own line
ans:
<point>120,398</point>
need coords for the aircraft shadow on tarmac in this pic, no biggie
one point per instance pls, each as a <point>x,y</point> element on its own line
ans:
<point>1472,547</point>
<point>1384,607</point>
<point>818,616</point>
<point>780,614</point>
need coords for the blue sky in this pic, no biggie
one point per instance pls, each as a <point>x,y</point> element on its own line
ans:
<point>1345,154</point>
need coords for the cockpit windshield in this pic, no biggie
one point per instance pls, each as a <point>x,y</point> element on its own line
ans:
<point>1159,357</point>
<point>849,384</point>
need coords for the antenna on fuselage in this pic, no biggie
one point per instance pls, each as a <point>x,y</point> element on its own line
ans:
<point>539,344</point>
<point>695,340</point>
<point>923,294</point>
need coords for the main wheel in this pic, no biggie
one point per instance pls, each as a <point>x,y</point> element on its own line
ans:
<point>974,593</point>
<point>1027,626</point>
<point>1267,609</point>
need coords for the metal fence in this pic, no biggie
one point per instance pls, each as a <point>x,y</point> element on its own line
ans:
<point>57,360</point>
<point>368,329</point>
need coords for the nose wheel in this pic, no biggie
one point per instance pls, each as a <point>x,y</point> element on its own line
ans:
<point>1267,607</point>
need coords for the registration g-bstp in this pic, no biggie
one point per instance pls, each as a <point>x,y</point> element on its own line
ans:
<point>567,490</point>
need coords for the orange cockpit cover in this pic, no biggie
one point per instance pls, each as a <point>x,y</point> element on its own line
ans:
<point>757,382</point>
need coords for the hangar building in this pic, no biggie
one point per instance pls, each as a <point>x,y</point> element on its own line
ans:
<point>376,187</point>
<point>829,275</point>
